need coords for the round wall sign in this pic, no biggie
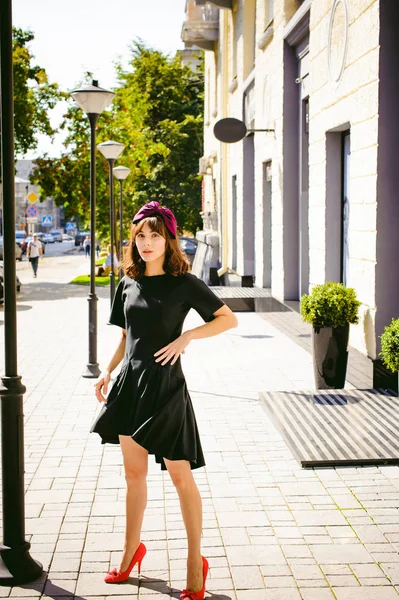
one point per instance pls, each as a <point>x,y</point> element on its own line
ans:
<point>229,130</point>
<point>338,39</point>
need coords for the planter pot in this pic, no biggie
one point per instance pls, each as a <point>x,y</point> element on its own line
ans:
<point>330,356</point>
<point>385,379</point>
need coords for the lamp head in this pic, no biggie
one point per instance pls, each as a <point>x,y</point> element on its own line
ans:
<point>92,99</point>
<point>121,172</point>
<point>111,150</point>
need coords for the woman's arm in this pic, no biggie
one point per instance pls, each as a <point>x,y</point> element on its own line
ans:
<point>118,355</point>
<point>224,319</point>
<point>101,385</point>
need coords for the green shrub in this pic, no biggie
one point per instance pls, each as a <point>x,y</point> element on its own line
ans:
<point>85,280</point>
<point>390,346</point>
<point>330,305</point>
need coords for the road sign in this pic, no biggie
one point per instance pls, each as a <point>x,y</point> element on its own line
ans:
<point>69,226</point>
<point>32,197</point>
<point>47,220</point>
<point>32,219</point>
<point>31,211</point>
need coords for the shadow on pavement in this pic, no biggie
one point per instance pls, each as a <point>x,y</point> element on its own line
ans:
<point>20,307</point>
<point>253,337</point>
<point>328,398</point>
<point>47,291</point>
<point>160,586</point>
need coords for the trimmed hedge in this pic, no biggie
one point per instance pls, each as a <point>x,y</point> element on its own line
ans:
<point>330,305</point>
<point>390,346</point>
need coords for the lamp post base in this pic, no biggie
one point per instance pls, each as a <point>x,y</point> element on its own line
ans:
<point>91,371</point>
<point>17,566</point>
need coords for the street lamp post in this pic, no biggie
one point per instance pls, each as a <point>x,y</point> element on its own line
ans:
<point>111,150</point>
<point>92,100</point>
<point>16,564</point>
<point>121,173</point>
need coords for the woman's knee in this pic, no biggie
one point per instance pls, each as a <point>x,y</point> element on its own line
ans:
<point>135,475</point>
<point>135,460</point>
<point>180,475</point>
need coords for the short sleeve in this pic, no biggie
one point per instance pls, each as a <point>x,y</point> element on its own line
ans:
<point>117,316</point>
<point>201,298</point>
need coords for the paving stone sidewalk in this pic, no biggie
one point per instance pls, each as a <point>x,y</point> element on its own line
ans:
<point>272,531</point>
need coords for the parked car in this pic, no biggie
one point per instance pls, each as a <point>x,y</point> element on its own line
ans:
<point>48,238</point>
<point>57,235</point>
<point>189,247</point>
<point>18,283</point>
<point>18,251</point>
<point>79,237</point>
<point>20,237</point>
<point>66,237</point>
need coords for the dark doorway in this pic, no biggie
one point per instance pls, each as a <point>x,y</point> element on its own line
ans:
<point>267,224</point>
<point>304,195</point>
<point>345,211</point>
<point>296,162</point>
<point>234,223</point>
<point>248,216</point>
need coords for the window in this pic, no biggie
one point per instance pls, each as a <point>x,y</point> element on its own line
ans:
<point>234,43</point>
<point>269,12</point>
<point>208,97</point>
<point>249,29</point>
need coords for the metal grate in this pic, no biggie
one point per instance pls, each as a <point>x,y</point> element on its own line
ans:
<point>337,427</point>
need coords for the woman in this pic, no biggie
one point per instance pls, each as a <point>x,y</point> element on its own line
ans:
<point>149,410</point>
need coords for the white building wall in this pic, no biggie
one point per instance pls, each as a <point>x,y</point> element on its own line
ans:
<point>351,103</point>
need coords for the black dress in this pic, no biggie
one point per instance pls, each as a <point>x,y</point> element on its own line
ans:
<point>148,401</point>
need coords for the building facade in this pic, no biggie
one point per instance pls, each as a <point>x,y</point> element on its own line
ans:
<point>315,199</point>
<point>45,208</point>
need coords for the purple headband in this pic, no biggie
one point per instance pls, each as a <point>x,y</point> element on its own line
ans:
<point>153,208</point>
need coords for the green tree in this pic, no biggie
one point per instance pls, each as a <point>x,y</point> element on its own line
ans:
<point>34,96</point>
<point>157,114</point>
<point>170,100</point>
<point>67,178</point>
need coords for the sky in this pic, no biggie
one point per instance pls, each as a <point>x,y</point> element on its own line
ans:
<point>76,36</point>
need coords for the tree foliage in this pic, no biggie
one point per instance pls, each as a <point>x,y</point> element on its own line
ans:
<point>34,96</point>
<point>157,115</point>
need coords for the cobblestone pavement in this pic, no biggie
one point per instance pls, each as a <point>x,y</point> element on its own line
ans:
<point>272,531</point>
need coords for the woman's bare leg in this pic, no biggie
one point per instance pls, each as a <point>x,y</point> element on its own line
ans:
<point>191,508</point>
<point>135,461</point>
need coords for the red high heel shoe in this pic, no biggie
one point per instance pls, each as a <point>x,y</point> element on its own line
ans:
<point>116,576</point>
<point>187,594</point>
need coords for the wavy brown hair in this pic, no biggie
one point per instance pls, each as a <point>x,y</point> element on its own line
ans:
<point>175,262</point>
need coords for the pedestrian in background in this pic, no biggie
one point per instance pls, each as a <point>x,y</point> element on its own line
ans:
<point>33,252</point>
<point>149,409</point>
<point>105,268</point>
<point>86,245</point>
